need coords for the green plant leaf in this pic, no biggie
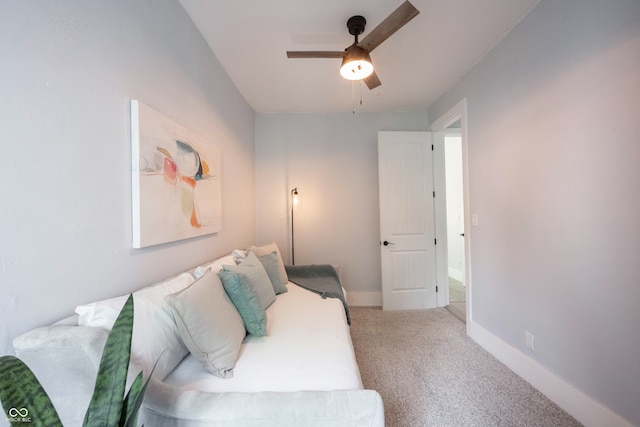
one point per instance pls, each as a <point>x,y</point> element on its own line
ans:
<point>134,398</point>
<point>22,395</point>
<point>106,404</point>
<point>129,409</point>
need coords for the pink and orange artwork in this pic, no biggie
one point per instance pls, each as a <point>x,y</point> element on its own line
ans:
<point>175,180</point>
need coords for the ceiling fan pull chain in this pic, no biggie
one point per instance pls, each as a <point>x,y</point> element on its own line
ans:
<point>353,96</point>
<point>360,86</point>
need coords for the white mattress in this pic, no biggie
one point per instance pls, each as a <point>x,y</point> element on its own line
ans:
<point>308,347</point>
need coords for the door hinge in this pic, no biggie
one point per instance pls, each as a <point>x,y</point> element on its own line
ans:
<point>435,241</point>
<point>431,147</point>
<point>434,194</point>
<point>436,288</point>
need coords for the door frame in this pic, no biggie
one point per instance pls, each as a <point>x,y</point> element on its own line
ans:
<point>439,126</point>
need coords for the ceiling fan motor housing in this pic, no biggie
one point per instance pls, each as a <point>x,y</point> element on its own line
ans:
<point>356,24</point>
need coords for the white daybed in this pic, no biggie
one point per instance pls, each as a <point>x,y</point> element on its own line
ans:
<point>302,373</point>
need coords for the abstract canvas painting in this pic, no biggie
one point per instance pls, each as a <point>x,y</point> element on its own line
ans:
<point>175,180</point>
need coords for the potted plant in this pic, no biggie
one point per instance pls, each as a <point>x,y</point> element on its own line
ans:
<point>109,406</point>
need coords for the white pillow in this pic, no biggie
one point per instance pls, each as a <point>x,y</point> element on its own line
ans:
<point>215,266</point>
<point>239,255</point>
<point>155,335</point>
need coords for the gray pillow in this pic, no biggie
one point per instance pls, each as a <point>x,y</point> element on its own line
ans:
<point>257,277</point>
<point>209,324</point>
<point>246,301</point>
<point>270,264</point>
<point>267,249</point>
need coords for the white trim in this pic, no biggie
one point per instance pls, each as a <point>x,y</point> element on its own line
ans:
<point>459,111</point>
<point>365,299</point>
<point>440,219</point>
<point>456,112</point>
<point>585,409</point>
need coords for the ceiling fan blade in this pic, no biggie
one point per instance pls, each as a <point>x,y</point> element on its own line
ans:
<point>316,54</point>
<point>392,23</point>
<point>372,81</point>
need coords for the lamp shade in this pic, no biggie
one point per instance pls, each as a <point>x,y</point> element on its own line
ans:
<point>356,64</point>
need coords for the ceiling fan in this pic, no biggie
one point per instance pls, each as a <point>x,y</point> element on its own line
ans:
<point>356,62</point>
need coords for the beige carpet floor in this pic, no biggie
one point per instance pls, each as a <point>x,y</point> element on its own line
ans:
<point>430,373</point>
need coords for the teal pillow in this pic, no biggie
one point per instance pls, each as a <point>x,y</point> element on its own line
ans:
<point>257,278</point>
<point>246,301</point>
<point>267,249</point>
<point>270,264</point>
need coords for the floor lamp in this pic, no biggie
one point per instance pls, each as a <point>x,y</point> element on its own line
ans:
<point>294,206</point>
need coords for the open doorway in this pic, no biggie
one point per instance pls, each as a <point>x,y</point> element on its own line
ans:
<point>452,212</point>
<point>455,221</point>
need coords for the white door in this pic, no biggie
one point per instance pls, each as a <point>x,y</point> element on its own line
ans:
<point>407,242</point>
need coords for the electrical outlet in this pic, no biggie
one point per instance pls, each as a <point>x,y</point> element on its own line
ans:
<point>530,341</point>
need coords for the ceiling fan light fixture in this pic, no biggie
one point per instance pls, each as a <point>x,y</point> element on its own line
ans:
<point>356,64</point>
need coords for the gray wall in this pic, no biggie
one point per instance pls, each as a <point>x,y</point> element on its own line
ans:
<point>333,161</point>
<point>554,149</point>
<point>69,70</point>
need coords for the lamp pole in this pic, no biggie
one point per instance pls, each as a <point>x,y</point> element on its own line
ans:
<point>294,203</point>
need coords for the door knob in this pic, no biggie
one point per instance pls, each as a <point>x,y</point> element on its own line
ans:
<point>387,243</point>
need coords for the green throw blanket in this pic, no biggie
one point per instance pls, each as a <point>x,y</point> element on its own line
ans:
<point>321,279</point>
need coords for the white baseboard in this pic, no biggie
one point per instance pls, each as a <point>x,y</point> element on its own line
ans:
<point>585,409</point>
<point>364,299</point>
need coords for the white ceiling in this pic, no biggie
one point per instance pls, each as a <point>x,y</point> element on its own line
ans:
<point>416,65</point>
